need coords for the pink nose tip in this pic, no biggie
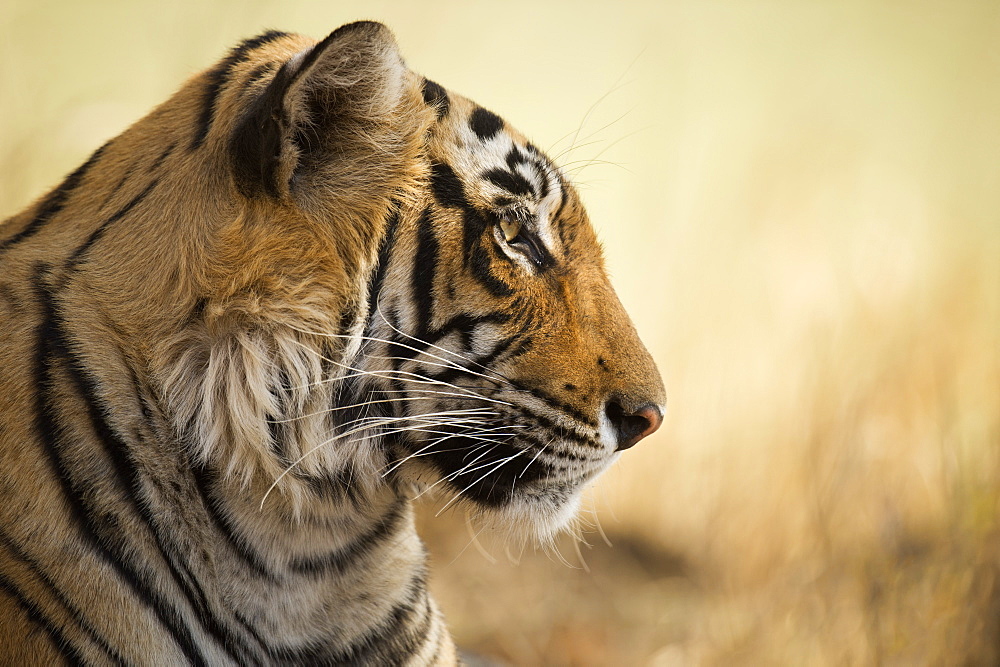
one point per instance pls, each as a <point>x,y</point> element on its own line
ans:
<point>631,427</point>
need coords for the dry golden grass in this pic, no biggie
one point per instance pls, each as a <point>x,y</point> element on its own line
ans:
<point>807,231</point>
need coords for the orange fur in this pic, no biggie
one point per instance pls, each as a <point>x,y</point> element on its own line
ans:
<point>228,299</point>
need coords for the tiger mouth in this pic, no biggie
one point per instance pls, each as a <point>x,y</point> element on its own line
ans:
<point>495,473</point>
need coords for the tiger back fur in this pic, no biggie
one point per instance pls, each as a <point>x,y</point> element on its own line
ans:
<point>241,338</point>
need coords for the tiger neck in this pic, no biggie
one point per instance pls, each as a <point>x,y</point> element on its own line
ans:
<point>347,571</point>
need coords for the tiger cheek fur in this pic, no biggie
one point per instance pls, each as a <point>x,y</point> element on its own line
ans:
<point>540,366</point>
<point>249,330</point>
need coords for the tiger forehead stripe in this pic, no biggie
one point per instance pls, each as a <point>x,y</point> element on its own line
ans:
<point>485,124</point>
<point>435,96</point>
<point>525,174</point>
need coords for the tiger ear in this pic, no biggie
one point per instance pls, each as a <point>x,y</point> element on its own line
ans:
<point>333,129</point>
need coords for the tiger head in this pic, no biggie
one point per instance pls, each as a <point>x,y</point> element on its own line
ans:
<point>394,290</point>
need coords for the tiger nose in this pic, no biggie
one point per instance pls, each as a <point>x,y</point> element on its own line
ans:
<point>631,427</point>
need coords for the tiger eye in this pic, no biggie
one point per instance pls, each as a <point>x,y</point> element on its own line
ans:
<point>510,228</point>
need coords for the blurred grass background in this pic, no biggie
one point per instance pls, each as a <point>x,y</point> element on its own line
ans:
<point>800,203</point>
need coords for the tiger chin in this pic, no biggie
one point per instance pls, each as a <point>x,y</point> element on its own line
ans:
<point>243,336</point>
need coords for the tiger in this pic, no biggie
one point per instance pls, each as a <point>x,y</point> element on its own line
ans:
<point>244,337</point>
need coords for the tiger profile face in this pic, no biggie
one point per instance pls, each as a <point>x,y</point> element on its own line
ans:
<point>479,349</point>
<point>249,331</point>
<point>491,358</point>
<point>508,322</point>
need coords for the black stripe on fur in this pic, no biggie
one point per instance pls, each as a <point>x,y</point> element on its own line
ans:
<point>386,643</point>
<point>78,255</point>
<point>107,545</point>
<point>204,482</point>
<point>54,202</point>
<point>132,485</point>
<point>57,594</point>
<point>424,269</point>
<point>340,560</point>
<point>382,263</point>
<point>37,616</point>
<point>217,77</point>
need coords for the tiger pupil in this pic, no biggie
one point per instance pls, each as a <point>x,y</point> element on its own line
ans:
<point>510,229</point>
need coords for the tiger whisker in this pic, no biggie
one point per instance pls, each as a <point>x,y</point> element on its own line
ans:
<point>618,84</point>
<point>474,539</point>
<point>431,391</point>
<point>604,150</point>
<point>444,363</point>
<point>339,436</point>
<point>453,475</point>
<point>467,468</point>
<point>558,157</point>
<point>458,416</point>
<point>437,347</point>
<point>493,469</point>
<point>535,457</point>
<point>445,436</point>
<point>450,417</point>
<point>422,452</point>
<point>362,371</point>
<point>451,364</point>
<point>583,164</point>
<point>476,430</point>
<point>447,364</point>
<point>589,139</point>
<point>478,436</point>
<point>396,465</point>
<point>358,405</point>
<point>427,426</point>
<point>419,379</point>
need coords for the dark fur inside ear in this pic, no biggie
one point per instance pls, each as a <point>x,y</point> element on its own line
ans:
<point>255,146</point>
<point>324,118</point>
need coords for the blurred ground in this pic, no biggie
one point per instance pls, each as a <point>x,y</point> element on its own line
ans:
<point>800,204</point>
<point>631,600</point>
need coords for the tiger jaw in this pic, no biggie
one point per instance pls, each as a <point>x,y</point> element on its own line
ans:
<point>491,471</point>
<point>504,491</point>
<point>481,440</point>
